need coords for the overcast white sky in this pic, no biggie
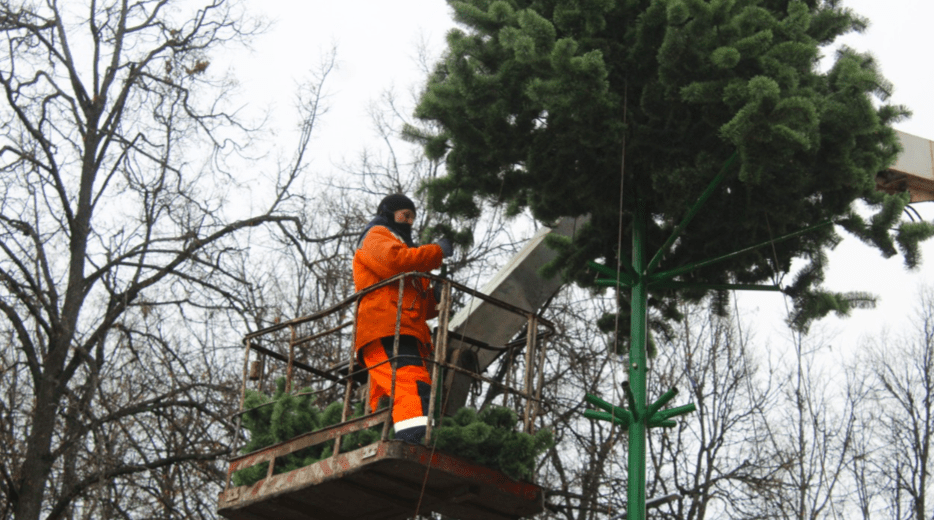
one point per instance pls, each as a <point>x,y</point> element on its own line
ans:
<point>376,42</point>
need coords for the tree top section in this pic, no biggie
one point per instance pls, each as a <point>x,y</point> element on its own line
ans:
<point>542,105</point>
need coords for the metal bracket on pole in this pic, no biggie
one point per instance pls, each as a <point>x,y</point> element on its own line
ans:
<point>627,277</point>
<point>654,416</point>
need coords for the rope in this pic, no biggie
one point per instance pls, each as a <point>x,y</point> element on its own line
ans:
<point>739,327</point>
<point>431,456</point>
<point>619,260</point>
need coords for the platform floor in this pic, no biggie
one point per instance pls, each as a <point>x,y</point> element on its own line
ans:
<point>384,481</point>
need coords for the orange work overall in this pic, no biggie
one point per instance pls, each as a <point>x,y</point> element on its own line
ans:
<point>413,381</point>
<point>381,254</point>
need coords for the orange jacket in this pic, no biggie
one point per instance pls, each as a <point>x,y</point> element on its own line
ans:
<point>383,255</point>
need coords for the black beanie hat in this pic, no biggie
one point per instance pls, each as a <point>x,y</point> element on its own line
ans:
<point>393,203</point>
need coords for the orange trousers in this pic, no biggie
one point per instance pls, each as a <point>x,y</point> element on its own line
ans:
<point>413,382</point>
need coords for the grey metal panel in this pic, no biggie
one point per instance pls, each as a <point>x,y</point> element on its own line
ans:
<point>913,170</point>
<point>517,283</point>
<point>917,157</point>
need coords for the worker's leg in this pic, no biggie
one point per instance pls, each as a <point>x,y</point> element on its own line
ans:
<point>410,413</point>
<point>413,384</point>
<point>372,354</point>
<point>377,393</point>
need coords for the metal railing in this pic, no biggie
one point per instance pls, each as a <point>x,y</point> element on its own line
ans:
<point>308,345</point>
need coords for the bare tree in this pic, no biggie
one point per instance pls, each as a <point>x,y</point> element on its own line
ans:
<point>713,461</point>
<point>122,253</point>
<point>868,445</point>
<point>902,370</point>
<point>811,433</point>
<point>585,469</point>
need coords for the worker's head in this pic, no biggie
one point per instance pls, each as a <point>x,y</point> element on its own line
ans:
<point>397,208</point>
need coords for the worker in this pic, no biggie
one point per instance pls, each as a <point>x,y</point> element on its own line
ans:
<point>385,249</point>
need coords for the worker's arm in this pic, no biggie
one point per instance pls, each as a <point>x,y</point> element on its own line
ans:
<point>387,256</point>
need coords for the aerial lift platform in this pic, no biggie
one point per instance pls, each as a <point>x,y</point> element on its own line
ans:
<point>391,479</point>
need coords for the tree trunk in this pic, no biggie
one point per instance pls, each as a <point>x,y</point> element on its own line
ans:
<point>38,461</point>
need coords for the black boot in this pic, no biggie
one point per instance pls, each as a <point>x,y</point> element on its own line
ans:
<point>413,435</point>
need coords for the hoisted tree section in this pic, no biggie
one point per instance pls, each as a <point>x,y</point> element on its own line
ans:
<point>385,478</point>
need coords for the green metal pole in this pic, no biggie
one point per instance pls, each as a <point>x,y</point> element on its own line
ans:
<point>637,428</point>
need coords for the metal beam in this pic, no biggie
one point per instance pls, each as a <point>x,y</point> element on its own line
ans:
<point>518,283</point>
<point>698,204</point>
<point>667,275</point>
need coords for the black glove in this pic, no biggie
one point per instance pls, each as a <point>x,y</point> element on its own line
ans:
<point>437,290</point>
<point>447,247</point>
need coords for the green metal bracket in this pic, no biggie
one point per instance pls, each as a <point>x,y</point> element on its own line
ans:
<point>634,405</point>
<point>667,284</point>
<point>615,414</point>
<point>692,212</point>
<point>664,415</point>
<point>626,277</point>
<point>716,286</point>
<point>661,401</point>
<point>603,282</point>
<point>653,416</point>
<point>667,275</point>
